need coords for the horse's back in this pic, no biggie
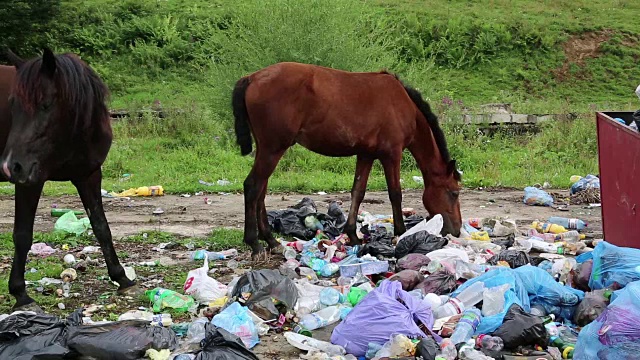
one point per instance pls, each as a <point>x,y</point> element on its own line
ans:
<point>330,111</point>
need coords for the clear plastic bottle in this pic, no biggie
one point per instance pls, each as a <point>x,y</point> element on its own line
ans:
<point>569,236</point>
<point>331,296</point>
<point>466,326</point>
<point>471,295</point>
<point>448,350</point>
<point>329,269</point>
<point>452,307</point>
<point>322,318</point>
<point>488,342</point>
<point>575,224</point>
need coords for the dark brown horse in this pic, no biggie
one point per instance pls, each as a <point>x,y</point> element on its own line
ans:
<point>337,113</point>
<point>59,130</point>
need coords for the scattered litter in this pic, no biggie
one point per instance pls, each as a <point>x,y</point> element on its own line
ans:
<point>535,196</point>
<point>203,288</point>
<point>69,223</point>
<point>41,249</point>
<point>141,191</point>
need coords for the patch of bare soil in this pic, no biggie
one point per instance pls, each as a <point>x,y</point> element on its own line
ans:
<point>581,47</point>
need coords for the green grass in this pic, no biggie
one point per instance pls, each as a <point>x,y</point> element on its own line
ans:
<point>188,54</point>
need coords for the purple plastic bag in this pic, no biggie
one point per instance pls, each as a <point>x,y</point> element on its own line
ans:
<point>386,311</point>
<point>413,262</point>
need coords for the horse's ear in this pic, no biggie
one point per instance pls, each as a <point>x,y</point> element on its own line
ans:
<point>48,66</point>
<point>452,169</point>
<point>14,59</point>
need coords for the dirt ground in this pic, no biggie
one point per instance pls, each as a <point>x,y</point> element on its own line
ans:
<point>194,217</point>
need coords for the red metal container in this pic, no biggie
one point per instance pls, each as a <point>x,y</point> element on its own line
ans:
<point>619,159</point>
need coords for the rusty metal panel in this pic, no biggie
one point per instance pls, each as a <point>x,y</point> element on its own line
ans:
<point>619,160</point>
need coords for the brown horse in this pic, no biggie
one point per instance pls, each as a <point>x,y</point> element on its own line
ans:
<point>58,128</point>
<point>337,113</point>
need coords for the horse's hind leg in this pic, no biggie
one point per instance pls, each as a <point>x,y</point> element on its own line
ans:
<point>26,204</point>
<point>264,165</point>
<point>89,191</point>
<point>391,168</point>
<point>264,231</point>
<point>363,169</point>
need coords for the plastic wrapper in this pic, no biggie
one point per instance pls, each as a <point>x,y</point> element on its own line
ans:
<point>544,290</point>
<point>440,282</point>
<point>69,223</point>
<point>514,258</point>
<point>505,242</point>
<point>516,294</point>
<point>262,290</point>
<point>413,262</point>
<point>421,242</point>
<point>219,344</point>
<point>535,196</point>
<point>432,226</point>
<point>590,308</point>
<point>120,340</point>
<point>613,266</point>
<point>237,320</point>
<point>520,328</point>
<point>202,287</point>
<point>386,311</point>
<point>616,333</point>
<point>408,278</point>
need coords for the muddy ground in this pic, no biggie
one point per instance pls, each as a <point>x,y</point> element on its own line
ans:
<point>194,217</point>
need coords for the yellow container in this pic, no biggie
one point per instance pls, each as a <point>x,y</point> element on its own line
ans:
<point>548,228</point>
<point>150,191</point>
<point>480,235</point>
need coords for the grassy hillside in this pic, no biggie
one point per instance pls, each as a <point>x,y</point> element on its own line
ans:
<point>544,56</point>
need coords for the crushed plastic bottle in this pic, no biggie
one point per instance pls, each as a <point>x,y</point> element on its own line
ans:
<point>322,318</point>
<point>466,326</point>
<point>214,255</point>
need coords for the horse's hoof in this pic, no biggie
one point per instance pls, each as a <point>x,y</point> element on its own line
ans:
<point>278,249</point>
<point>33,306</point>
<point>133,291</point>
<point>260,254</point>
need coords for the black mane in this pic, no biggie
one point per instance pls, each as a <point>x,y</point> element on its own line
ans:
<point>80,91</point>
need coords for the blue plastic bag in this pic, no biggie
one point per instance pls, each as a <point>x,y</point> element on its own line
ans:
<point>516,294</point>
<point>616,333</point>
<point>544,290</point>
<point>535,196</point>
<point>587,182</point>
<point>613,266</point>
<point>381,314</point>
<point>236,320</point>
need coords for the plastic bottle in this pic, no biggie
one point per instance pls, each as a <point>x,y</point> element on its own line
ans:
<point>546,237</point>
<point>569,223</point>
<point>59,212</point>
<point>298,340</point>
<point>488,342</point>
<point>466,326</point>
<point>570,236</point>
<point>565,347</point>
<point>450,308</point>
<point>548,227</point>
<point>330,296</point>
<point>471,295</point>
<point>448,350</point>
<point>329,269</point>
<point>322,318</point>
<point>214,255</point>
<point>290,253</point>
<point>543,246</point>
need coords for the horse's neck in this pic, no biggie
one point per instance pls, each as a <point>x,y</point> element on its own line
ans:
<point>425,150</point>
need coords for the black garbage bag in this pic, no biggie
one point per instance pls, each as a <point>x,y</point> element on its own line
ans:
<point>440,282</point>
<point>380,244</point>
<point>413,220</point>
<point>120,340</point>
<point>427,349</point>
<point>27,336</point>
<point>291,221</point>
<point>514,258</point>
<point>593,304</point>
<point>408,278</point>
<point>219,344</point>
<point>419,243</point>
<point>259,289</point>
<point>520,328</point>
<point>536,260</point>
<point>413,262</point>
<point>636,118</point>
<point>505,242</point>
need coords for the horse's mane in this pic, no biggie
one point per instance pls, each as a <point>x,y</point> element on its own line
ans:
<point>80,91</point>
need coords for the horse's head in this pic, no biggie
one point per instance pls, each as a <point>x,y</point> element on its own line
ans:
<point>50,96</point>
<point>441,193</point>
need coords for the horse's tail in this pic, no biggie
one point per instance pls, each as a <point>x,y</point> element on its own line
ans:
<point>432,119</point>
<point>242,128</point>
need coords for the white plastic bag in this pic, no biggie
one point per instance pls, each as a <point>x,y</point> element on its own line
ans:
<point>433,227</point>
<point>202,287</point>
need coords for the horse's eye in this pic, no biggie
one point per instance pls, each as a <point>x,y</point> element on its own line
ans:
<point>455,194</point>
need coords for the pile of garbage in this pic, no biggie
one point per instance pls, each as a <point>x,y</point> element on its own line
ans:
<point>496,292</point>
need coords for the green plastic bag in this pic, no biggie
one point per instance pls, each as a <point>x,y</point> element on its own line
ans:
<point>69,223</point>
<point>356,295</point>
<point>165,298</point>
